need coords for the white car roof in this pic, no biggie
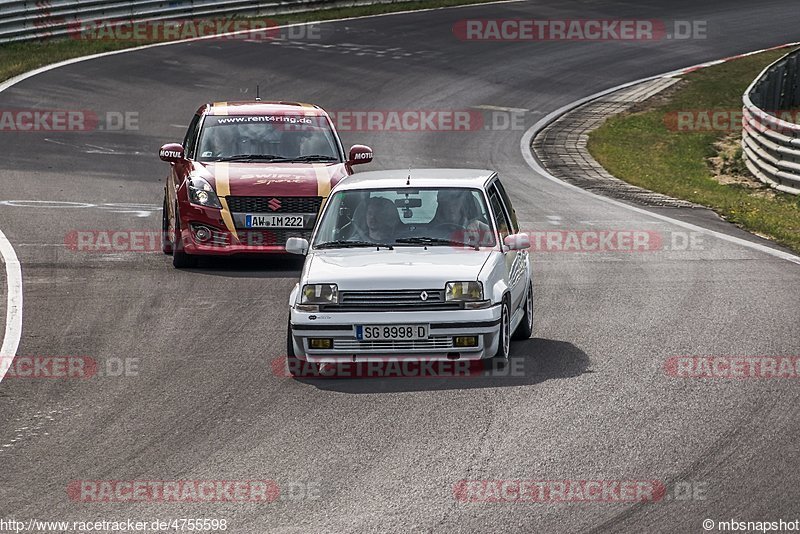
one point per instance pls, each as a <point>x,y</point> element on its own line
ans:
<point>397,178</point>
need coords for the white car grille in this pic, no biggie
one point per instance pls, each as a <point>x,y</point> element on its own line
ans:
<point>401,299</point>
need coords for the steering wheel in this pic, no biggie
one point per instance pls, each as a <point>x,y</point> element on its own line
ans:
<point>346,232</point>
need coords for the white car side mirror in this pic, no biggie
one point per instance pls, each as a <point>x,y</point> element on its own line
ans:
<point>297,245</point>
<point>517,241</point>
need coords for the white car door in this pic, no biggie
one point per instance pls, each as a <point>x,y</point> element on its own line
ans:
<point>515,260</point>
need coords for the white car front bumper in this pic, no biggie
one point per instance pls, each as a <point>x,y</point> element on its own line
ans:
<point>444,325</point>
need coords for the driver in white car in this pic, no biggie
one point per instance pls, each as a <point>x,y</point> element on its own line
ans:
<point>381,222</point>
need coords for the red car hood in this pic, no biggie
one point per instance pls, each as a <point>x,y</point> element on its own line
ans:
<point>271,179</point>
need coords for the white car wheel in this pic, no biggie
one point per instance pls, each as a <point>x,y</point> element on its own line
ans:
<point>504,343</point>
<point>525,327</point>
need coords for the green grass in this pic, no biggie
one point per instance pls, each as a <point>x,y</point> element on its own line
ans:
<point>640,149</point>
<point>17,58</point>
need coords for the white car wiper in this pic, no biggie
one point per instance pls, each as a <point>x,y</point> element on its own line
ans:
<point>422,240</point>
<point>344,243</point>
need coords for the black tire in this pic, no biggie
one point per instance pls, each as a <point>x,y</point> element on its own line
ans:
<point>180,259</point>
<point>166,243</point>
<point>525,327</point>
<point>500,358</point>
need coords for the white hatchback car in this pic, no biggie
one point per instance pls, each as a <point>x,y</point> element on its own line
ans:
<point>421,265</point>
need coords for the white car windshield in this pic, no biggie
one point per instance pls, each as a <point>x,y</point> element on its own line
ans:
<point>267,138</point>
<point>406,217</point>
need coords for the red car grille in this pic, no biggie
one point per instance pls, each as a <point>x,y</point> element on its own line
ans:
<point>274,204</point>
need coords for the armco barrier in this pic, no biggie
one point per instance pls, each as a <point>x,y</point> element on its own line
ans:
<point>771,145</point>
<point>23,20</point>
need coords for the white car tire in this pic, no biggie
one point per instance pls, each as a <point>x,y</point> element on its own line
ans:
<point>524,329</point>
<point>504,336</point>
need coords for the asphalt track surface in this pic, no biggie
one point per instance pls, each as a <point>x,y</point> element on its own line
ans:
<point>593,403</point>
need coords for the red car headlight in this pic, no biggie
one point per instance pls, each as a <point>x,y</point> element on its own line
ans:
<point>202,194</point>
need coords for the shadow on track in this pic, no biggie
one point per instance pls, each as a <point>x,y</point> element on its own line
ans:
<point>250,266</point>
<point>532,361</point>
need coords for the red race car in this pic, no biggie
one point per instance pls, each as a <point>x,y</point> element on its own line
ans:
<point>248,176</point>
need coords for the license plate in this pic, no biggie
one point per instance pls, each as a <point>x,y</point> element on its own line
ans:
<point>284,220</point>
<point>391,332</point>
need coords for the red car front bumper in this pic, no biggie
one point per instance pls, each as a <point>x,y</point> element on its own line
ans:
<point>223,242</point>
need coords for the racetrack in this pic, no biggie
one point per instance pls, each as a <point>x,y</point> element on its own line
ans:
<point>593,403</point>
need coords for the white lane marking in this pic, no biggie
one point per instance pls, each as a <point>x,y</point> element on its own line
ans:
<point>501,108</point>
<point>527,154</point>
<point>111,152</point>
<point>57,204</point>
<point>138,213</point>
<point>140,210</point>
<point>13,331</point>
<point>95,149</point>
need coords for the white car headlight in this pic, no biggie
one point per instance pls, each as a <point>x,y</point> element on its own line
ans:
<point>463,291</point>
<point>319,294</point>
<point>469,293</point>
<point>202,194</point>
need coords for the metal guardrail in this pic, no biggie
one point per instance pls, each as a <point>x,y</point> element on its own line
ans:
<point>770,144</point>
<point>25,20</point>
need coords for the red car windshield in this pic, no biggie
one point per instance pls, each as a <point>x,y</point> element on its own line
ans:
<point>267,138</point>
